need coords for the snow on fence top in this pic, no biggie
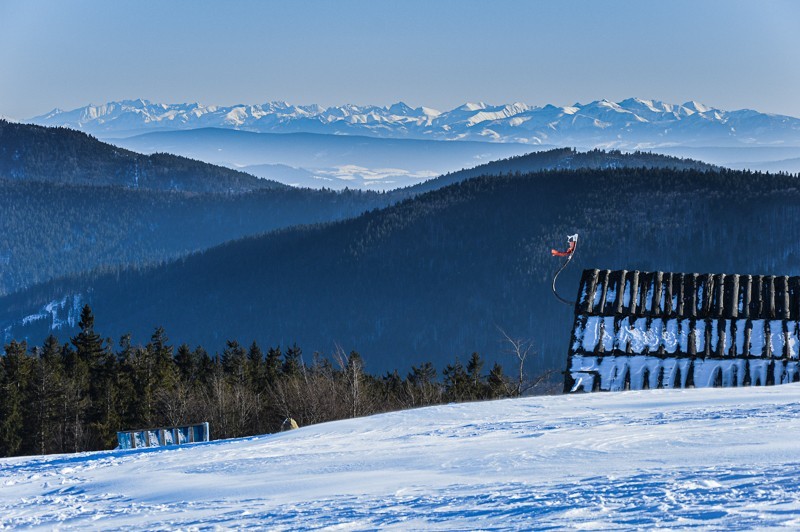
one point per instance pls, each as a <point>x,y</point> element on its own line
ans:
<point>636,330</point>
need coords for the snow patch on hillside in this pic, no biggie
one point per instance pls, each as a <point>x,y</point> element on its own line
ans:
<point>59,313</point>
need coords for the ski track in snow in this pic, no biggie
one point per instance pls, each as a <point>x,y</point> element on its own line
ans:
<point>701,459</point>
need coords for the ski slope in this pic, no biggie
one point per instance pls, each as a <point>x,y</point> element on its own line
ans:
<point>707,459</point>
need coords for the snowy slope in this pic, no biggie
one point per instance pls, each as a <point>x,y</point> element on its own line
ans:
<point>631,123</point>
<point>713,458</point>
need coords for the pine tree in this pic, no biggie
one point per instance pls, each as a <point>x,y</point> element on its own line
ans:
<point>272,365</point>
<point>234,362</point>
<point>255,368</point>
<point>456,382</point>
<point>88,344</point>
<point>14,404</point>
<point>292,362</point>
<point>392,389</point>
<point>76,401</point>
<point>164,365</point>
<point>108,402</point>
<point>161,378</point>
<point>477,388</point>
<point>257,385</point>
<point>99,362</point>
<point>125,384</point>
<point>185,362</point>
<point>497,382</point>
<point>48,395</point>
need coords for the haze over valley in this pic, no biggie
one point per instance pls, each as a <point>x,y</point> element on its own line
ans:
<point>382,148</point>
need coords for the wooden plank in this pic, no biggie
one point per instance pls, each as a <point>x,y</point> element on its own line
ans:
<point>679,286</point>
<point>748,329</point>
<point>721,333</point>
<point>585,293</point>
<point>746,295</point>
<point>641,293</point>
<point>770,302</point>
<point>691,345</point>
<point>613,292</point>
<point>782,307</point>
<point>707,343</point>
<point>717,304</point>
<point>794,298</point>
<point>602,285</point>
<point>707,295</point>
<point>667,296</point>
<point>767,353</point>
<point>786,350</point>
<point>731,296</point>
<point>591,293</point>
<point>756,297</point>
<point>658,280</point>
<point>633,282</point>
<point>690,295</point>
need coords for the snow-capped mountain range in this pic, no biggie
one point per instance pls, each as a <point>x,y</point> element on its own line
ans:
<point>631,123</point>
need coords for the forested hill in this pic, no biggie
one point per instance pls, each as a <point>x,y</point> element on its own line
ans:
<point>60,155</point>
<point>49,230</point>
<point>68,204</point>
<point>435,276</point>
<point>562,159</point>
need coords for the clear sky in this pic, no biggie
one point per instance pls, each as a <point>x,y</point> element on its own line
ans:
<point>438,53</point>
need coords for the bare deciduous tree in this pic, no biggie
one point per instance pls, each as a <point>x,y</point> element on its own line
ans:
<point>521,349</point>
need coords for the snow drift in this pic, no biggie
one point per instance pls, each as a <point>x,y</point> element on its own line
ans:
<point>712,458</point>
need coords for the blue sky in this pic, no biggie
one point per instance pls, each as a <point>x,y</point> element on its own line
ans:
<point>440,54</point>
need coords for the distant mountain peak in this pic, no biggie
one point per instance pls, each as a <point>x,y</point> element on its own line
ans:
<point>697,107</point>
<point>628,124</point>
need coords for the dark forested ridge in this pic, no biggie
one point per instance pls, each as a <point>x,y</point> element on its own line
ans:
<point>61,155</point>
<point>50,226</point>
<point>50,230</point>
<point>436,275</point>
<point>563,159</point>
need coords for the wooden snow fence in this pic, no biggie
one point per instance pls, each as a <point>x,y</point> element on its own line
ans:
<point>638,330</point>
<point>163,436</point>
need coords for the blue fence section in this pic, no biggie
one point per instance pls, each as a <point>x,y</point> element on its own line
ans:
<point>163,436</point>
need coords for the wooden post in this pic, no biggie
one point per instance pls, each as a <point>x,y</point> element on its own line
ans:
<point>731,296</point>
<point>757,297</point>
<point>618,278</point>
<point>690,295</point>
<point>586,293</point>
<point>717,307</point>
<point>634,283</point>
<point>603,281</point>
<point>658,279</point>
<point>782,307</point>
<point>746,290</point>
<point>794,298</point>
<point>668,310</point>
<point>770,307</point>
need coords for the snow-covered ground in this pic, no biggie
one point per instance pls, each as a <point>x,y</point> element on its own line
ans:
<point>710,459</point>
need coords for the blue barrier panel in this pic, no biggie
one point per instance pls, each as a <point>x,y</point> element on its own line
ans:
<point>163,436</point>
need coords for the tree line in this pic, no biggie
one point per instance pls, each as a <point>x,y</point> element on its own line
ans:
<point>75,396</point>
